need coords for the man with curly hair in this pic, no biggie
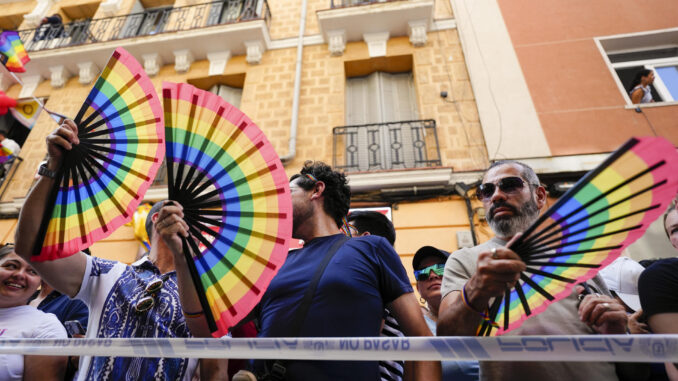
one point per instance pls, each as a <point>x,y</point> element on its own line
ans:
<point>364,275</point>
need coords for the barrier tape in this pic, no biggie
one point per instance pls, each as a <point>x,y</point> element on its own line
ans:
<point>609,348</point>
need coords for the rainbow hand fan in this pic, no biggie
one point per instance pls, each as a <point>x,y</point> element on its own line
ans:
<point>14,55</point>
<point>5,154</point>
<point>104,178</point>
<point>587,229</point>
<point>235,195</point>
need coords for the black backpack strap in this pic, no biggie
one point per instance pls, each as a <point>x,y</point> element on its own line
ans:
<point>300,314</point>
<point>277,369</point>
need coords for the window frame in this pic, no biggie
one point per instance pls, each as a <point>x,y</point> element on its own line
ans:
<point>651,64</point>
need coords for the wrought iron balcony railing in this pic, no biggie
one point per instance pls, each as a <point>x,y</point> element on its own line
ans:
<point>395,145</point>
<point>149,22</point>
<point>350,3</point>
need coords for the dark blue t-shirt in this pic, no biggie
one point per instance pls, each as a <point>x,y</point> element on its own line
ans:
<point>363,276</point>
<point>65,308</point>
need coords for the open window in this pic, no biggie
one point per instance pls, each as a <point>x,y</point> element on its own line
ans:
<point>656,51</point>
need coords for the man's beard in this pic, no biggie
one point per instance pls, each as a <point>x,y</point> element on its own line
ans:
<point>518,222</point>
<point>300,214</point>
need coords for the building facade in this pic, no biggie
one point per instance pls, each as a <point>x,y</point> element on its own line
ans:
<point>377,88</point>
<point>551,81</point>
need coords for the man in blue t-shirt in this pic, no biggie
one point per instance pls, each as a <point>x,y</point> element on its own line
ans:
<point>364,276</point>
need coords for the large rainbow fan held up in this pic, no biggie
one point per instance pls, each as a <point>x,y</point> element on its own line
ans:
<point>587,229</point>
<point>235,195</point>
<point>104,178</point>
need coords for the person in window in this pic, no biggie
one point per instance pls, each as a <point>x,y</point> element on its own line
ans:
<point>640,90</point>
<point>50,27</point>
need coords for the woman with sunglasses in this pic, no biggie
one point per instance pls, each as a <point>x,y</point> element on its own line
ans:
<point>429,264</point>
<point>18,282</point>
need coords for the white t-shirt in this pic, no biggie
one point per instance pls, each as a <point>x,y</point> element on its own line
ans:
<point>110,290</point>
<point>25,322</point>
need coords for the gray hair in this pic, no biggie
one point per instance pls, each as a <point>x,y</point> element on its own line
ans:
<point>526,172</point>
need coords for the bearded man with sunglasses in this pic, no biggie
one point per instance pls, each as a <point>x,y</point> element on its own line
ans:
<point>473,277</point>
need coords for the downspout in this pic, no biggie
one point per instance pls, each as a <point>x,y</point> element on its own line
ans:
<point>292,150</point>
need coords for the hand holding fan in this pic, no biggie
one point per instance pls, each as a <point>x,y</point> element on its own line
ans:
<point>235,195</point>
<point>587,229</point>
<point>103,179</point>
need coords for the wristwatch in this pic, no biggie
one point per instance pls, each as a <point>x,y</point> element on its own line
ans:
<point>43,171</point>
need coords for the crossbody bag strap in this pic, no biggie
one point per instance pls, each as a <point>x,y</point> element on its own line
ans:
<point>277,369</point>
<point>300,314</point>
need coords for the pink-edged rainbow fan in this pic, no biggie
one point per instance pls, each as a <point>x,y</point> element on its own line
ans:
<point>235,195</point>
<point>104,178</point>
<point>587,229</point>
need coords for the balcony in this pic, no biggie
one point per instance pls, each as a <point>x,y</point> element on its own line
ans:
<point>147,23</point>
<point>213,31</point>
<point>374,21</point>
<point>386,146</point>
<point>350,3</point>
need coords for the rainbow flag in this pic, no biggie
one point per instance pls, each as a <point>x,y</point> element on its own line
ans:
<point>27,112</point>
<point>14,54</point>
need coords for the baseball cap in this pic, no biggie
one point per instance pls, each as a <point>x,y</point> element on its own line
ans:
<point>621,276</point>
<point>428,251</point>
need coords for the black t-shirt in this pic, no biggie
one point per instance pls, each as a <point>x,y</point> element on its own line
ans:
<point>657,287</point>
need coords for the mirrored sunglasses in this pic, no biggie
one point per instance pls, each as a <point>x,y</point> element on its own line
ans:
<point>511,184</point>
<point>423,274</point>
<point>147,301</point>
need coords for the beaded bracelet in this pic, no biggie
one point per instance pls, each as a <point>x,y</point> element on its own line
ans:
<point>485,315</point>
<point>192,315</point>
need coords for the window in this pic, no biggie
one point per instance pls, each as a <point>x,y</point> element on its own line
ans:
<point>380,97</point>
<point>230,94</point>
<point>225,11</point>
<point>144,21</point>
<point>378,109</point>
<point>656,51</point>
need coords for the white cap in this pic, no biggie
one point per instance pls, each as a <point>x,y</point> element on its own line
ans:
<point>621,276</point>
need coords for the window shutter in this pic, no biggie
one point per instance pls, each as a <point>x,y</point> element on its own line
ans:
<point>230,94</point>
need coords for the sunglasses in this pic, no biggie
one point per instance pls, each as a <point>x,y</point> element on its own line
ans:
<point>511,184</point>
<point>147,301</point>
<point>423,274</point>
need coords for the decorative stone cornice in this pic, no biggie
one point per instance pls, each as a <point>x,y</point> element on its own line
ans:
<point>218,62</point>
<point>110,7</point>
<point>59,76</point>
<point>376,43</point>
<point>87,71</point>
<point>417,32</point>
<point>182,60</point>
<point>152,63</point>
<point>336,42</point>
<point>30,83</point>
<point>255,51</point>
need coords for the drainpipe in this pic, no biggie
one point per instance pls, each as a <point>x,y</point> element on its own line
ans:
<point>292,150</point>
<point>462,190</point>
